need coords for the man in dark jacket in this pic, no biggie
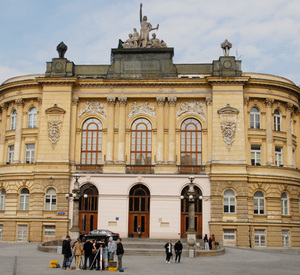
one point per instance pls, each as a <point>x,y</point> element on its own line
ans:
<point>168,247</point>
<point>178,250</point>
<point>120,252</point>
<point>66,250</point>
<point>88,253</point>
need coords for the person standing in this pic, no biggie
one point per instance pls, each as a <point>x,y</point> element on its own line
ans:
<point>88,253</point>
<point>209,243</point>
<point>178,251</point>
<point>213,242</point>
<point>66,251</point>
<point>111,249</point>
<point>139,231</point>
<point>120,252</point>
<point>205,239</point>
<point>78,251</point>
<point>168,247</point>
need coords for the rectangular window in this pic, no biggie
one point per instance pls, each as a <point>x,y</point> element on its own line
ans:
<point>278,156</point>
<point>22,233</point>
<point>49,230</point>
<point>229,234</point>
<point>1,232</point>
<point>285,238</point>
<point>29,153</point>
<point>11,150</point>
<point>260,237</point>
<point>256,155</point>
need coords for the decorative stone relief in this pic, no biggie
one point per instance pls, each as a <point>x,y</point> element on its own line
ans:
<point>172,100</point>
<point>93,107</point>
<point>193,107</point>
<point>228,118</point>
<point>122,100</point>
<point>55,117</point>
<point>160,100</point>
<point>142,109</point>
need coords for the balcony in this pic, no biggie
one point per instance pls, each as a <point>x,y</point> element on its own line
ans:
<point>140,169</point>
<point>191,169</point>
<point>91,168</point>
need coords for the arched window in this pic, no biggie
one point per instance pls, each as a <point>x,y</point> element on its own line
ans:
<point>32,118</point>
<point>139,199</point>
<point>2,200</point>
<point>191,142</point>
<point>254,118</point>
<point>259,203</point>
<point>229,201</point>
<point>91,145</point>
<point>185,201</point>
<point>284,204</point>
<point>141,139</point>
<point>50,203</point>
<point>13,120</point>
<point>24,199</point>
<point>277,120</point>
<point>91,202</point>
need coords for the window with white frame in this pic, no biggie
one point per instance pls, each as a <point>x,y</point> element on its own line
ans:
<point>2,200</point>
<point>13,120</point>
<point>284,204</point>
<point>256,155</point>
<point>49,230</point>
<point>229,234</point>
<point>259,203</point>
<point>1,232</point>
<point>277,120</point>
<point>29,153</point>
<point>260,237</point>
<point>32,118</point>
<point>285,238</point>
<point>50,203</point>
<point>278,156</point>
<point>254,118</point>
<point>24,199</point>
<point>22,233</point>
<point>229,201</point>
<point>11,150</point>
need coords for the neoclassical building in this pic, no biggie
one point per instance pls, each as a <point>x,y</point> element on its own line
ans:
<point>134,131</point>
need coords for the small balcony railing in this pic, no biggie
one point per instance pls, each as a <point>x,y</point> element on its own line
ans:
<point>139,169</point>
<point>97,168</point>
<point>191,169</point>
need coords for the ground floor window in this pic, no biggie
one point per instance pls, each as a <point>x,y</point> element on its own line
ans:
<point>285,238</point>
<point>260,237</point>
<point>49,230</point>
<point>1,232</point>
<point>229,237</point>
<point>22,233</point>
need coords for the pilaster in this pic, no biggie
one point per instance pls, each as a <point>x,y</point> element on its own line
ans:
<point>160,130</point>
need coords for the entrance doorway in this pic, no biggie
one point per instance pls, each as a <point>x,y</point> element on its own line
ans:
<point>185,212</point>
<point>139,205</point>
<point>88,209</point>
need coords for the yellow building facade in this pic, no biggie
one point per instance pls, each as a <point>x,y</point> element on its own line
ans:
<point>134,131</point>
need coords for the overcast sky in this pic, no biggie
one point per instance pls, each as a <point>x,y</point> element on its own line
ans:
<point>265,33</point>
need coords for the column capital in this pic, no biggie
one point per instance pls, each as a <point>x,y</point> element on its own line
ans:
<point>208,100</point>
<point>160,100</point>
<point>3,106</point>
<point>75,100</point>
<point>19,102</point>
<point>172,100</point>
<point>246,100</point>
<point>111,100</point>
<point>122,100</point>
<point>290,106</point>
<point>269,102</point>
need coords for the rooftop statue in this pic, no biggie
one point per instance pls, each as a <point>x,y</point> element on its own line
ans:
<point>61,49</point>
<point>142,40</point>
<point>226,45</point>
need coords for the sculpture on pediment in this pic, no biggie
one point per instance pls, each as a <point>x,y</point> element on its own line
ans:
<point>142,40</point>
<point>196,107</point>
<point>142,109</point>
<point>93,107</point>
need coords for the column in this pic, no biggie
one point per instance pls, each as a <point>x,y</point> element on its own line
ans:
<point>75,101</point>
<point>269,131</point>
<point>172,133</point>
<point>160,130</point>
<point>4,107</point>
<point>122,123</point>
<point>209,127</point>
<point>110,129</point>
<point>18,132</point>
<point>289,139</point>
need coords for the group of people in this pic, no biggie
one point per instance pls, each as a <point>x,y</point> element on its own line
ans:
<point>209,243</point>
<point>169,249</point>
<point>96,253</point>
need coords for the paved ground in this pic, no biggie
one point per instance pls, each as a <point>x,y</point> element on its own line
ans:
<point>24,258</point>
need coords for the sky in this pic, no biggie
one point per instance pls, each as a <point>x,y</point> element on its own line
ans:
<point>265,34</point>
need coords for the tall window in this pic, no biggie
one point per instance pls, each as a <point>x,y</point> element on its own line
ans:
<point>50,203</point>
<point>32,117</point>
<point>277,120</point>
<point>91,148</point>
<point>2,200</point>
<point>229,201</point>
<point>24,199</point>
<point>254,118</point>
<point>256,155</point>
<point>285,238</point>
<point>284,204</point>
<point>260,237</point>
<point>191,143</point>
<point>259,203</point>
<point>11,150</point>
<point>141,138</point>
<point>13,120</point>
<point>278,156</point>
<point>29,153</point>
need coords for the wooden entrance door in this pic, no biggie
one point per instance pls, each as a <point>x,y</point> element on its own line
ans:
<point>185,224</point>
<point>139,205</point>
<point>88,209</point>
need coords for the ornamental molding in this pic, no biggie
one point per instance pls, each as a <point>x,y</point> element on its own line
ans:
<point>93,108</point>
<point>192,107</point>
<point>228,119</point>
<point>142,109</point>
